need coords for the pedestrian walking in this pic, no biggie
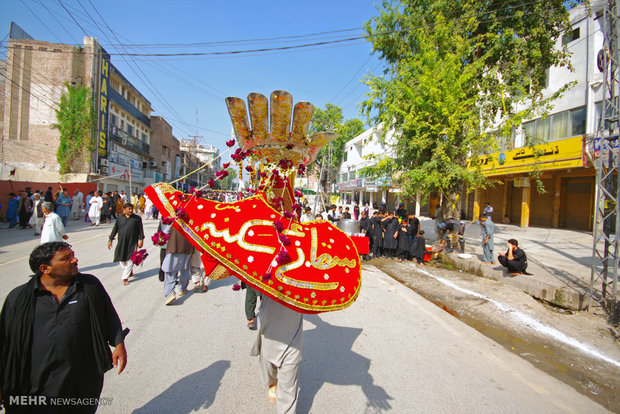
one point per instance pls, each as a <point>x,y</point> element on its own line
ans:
<point>487,230</point>
<point>37,218</point>
<point>55,336</point>
<point>11,210</point>
<point>176,263</point>
<point>130,235</point>
<point>96,205</point>
<point>53,229</point>
<point>278,346</point>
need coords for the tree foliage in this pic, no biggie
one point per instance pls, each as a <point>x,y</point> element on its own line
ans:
<point>455,69</point>
<point>76,120</point>
<point>331,119</point>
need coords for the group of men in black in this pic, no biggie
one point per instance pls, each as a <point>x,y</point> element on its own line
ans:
<point>394,235</point>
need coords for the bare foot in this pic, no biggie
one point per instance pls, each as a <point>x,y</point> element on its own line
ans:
<point>272,393</point>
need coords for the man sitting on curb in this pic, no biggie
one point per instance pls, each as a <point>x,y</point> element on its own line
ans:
<point>515,259</point>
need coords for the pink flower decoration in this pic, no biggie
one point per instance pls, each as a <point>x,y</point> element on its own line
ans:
<point>285,240</point>
<point>160,238</point>
<point>298,193</point>
<point>287,214</point>
<point>167,220</point>
<point>266,276</point>
<point>283,257</point>
<point>278,225</point>
<point>181,213</point>
<point>249,168</point>
<point>138,257</point>
<point>236,287</point>
<point>226,165</point>
<point>230,143</point>
<point>301,170</point>
<point>211,183</point>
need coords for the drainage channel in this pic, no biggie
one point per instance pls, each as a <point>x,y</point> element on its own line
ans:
<point>545,355</point>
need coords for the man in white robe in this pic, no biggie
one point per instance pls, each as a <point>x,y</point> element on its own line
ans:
<point>77,203</point>
<point>53,229</point>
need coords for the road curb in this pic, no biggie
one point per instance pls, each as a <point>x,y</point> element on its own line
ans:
<point>561,296</point>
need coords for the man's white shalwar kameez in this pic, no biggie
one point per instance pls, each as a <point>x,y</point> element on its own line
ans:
<point>53,229</point>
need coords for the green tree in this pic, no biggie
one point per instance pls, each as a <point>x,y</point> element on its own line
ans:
<point>76,120</point>
<point>331,119</point>
<point>455,69</point>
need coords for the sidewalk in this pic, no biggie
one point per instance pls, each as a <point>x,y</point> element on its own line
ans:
<point>558,259</point>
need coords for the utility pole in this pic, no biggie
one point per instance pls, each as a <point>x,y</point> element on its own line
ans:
<point>606,227</point>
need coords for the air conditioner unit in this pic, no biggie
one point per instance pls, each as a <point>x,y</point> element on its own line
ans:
<point>104,161</point>
<point>153,164</point>
<point>104,170</point>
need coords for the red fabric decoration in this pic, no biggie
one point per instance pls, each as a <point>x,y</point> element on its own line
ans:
<point>324,271</point>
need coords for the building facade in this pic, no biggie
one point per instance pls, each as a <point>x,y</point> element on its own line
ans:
<point>35,77</point>
<point>568,144</point>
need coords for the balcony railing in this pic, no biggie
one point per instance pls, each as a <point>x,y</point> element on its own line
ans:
<point>127,140</point>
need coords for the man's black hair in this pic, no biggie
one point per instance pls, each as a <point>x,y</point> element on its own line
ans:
<point>128,205</point>
<point>514,242</point>
<point>43,254</point>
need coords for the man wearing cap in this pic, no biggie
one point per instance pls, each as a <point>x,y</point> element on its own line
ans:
<point>130,235</point>
<point>37,213</point>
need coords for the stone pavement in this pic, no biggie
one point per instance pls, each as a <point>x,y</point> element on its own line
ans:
<point>558,259</point>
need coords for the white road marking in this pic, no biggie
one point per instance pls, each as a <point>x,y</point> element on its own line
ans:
<point>527,320</point>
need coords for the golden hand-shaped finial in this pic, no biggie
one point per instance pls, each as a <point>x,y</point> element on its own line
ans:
<point>272,136</point>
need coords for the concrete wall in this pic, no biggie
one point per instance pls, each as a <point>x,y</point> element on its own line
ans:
<point>35,76</point>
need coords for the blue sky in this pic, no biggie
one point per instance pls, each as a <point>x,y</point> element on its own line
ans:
<point>183,85</point>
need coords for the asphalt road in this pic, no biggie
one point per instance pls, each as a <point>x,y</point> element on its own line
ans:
<point>391,351</point>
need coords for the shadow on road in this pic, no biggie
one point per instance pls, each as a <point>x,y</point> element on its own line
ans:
<point>97,267</point>
<point>192,393</point>
<point>328,358</point>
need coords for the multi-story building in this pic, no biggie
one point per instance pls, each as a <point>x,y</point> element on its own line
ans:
<point>196,155</point>
<point>128,160</point>
<point>567,145</point>
<point>165,150</point>
<point>566,140</point>
<point>35,76</point>
<point>359,153</point>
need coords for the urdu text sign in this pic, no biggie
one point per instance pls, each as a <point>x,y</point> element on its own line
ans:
<point>566,153</point>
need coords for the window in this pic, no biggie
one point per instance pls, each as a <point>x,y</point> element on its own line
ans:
<point>345,156</point>
<point>112,119</point>
<point>570,36</point>
<point>542,129</point>
<point>130,130</point>
<point>560,125</point>
<point>529,130</point>
<point>352,175</point>
<point>578,121</point>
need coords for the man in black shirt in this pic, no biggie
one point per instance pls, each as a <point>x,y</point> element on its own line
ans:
<point>130,235</point>
<point>55,336</point>
<point>515,259</point>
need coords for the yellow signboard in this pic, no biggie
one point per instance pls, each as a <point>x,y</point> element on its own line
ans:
<point>566,153</point>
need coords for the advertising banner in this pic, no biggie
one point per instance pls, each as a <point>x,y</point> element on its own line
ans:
<point>102,141</point>
<point>566,153</point>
